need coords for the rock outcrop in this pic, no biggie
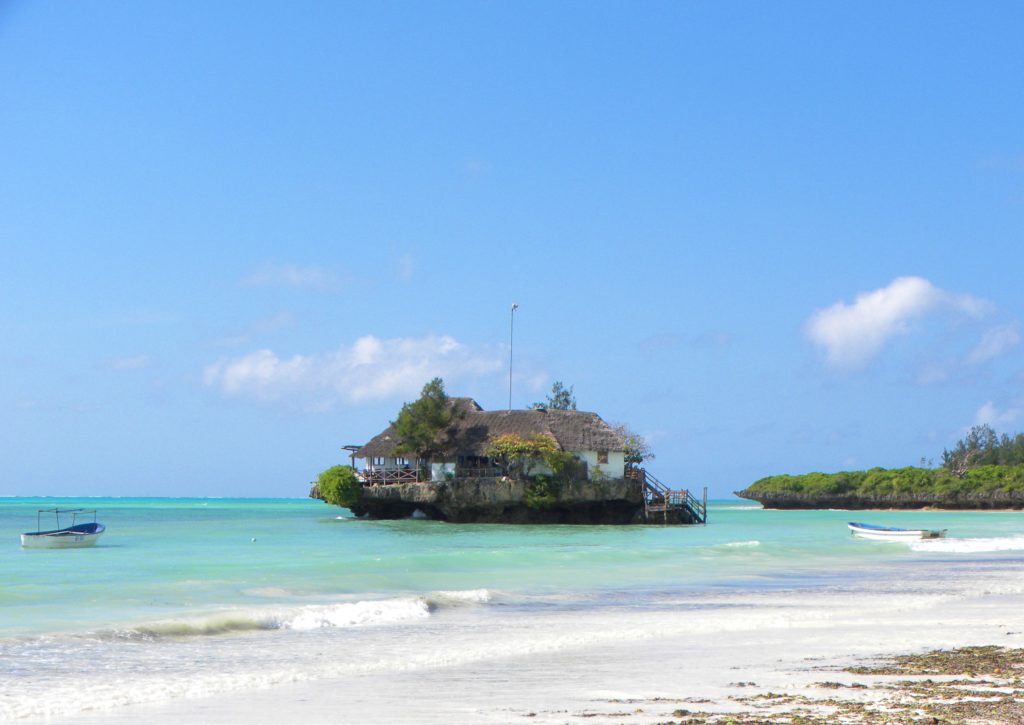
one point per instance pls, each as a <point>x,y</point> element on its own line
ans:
<point>507,501</point>
<point>504,500</point>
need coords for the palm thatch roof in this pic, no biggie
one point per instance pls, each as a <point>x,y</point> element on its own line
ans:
<point>469,433</point>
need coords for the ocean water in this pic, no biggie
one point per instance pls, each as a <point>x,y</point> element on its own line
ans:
<point>193,598</point>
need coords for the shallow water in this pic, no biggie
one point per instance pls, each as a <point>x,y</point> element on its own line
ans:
<point>192,597</point>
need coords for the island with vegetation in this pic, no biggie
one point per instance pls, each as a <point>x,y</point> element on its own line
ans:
<point>448,459</point>
<point>984,470</point>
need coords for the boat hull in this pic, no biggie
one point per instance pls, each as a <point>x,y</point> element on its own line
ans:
<point>887,533</point>
<point>76,537</point>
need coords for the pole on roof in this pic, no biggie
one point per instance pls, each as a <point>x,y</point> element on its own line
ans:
<point>511,328</point>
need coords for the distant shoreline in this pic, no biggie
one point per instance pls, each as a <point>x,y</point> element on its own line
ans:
<point>809,502</point>
<point>984,488</point>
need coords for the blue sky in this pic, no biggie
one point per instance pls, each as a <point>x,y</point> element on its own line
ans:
<point>772,238</point>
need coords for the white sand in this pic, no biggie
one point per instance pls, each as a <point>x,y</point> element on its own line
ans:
<point>779,645</point>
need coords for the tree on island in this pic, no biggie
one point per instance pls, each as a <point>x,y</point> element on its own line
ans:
<point>637,449</point>
<point>420,423</point>
<point>561,398</point>
<point>982,446</point>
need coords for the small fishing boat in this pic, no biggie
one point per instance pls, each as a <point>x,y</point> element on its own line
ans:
<point>76,536</point>
<point>891,533</point>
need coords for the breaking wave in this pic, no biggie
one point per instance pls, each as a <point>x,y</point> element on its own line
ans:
<point>969,546</point>
<point>736,544</point>
<point>308,617</point>
<point>460,597</point>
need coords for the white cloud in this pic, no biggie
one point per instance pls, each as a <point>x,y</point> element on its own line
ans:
<point>291,275</point>
<point>369,369</point>
<point>851,335</point>
<point>994,343</point>
<point>989,414</point>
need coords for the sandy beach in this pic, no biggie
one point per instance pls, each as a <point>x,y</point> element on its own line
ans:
<point>780,660</point>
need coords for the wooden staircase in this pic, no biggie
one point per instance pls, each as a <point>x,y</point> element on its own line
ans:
<point>675,504</point>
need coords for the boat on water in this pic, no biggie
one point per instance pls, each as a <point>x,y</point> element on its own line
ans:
<point>892,533</point>
<point>80,534</point>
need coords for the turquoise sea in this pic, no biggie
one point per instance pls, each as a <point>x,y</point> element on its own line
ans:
<point>188,598</point>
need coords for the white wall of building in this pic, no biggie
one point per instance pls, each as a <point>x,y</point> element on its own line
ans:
<point>614,468</point>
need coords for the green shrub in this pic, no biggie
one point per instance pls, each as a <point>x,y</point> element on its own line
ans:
<point>340,486</point>
<point>564,465</point>
<point>516,455</point>
<point>542,491</point>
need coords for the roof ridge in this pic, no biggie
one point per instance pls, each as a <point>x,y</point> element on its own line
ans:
<point>572,430</point>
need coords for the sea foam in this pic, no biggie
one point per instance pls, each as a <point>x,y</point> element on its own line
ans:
<point>460,597</point>
<point>355,614</point>
<point>970,546</point>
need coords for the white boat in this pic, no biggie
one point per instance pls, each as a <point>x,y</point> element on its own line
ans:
<point>76,536</point>
<point>891,533</point>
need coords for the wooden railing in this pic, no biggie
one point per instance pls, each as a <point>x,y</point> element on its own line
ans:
<point>488,472</point>
<point>659,498</point>
<point>385,476</point>
<point>388,476</point>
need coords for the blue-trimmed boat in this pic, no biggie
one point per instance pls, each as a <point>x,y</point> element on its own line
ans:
<point>892,533</point>
<point>76,536</point>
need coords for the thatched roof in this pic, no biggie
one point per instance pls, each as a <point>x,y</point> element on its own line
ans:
<point>468,435</point>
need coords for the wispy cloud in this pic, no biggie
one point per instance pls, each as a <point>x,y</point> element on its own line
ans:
<point>851,335</point>
<point>406,267</point>
<point>475,167</point>
<point>989,414</point>
<point>291,275</point>
<point>369,369</point>
<point>135,318</point>
<point>534,380</point>
<point>994,342</point>
<point>255,329</point>
<point>136,362</point>
<point>49,407</point>
<point>707,340</point>
<point>936,372</point>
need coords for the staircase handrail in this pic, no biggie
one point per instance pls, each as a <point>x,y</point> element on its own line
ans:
<point>659,497</point>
